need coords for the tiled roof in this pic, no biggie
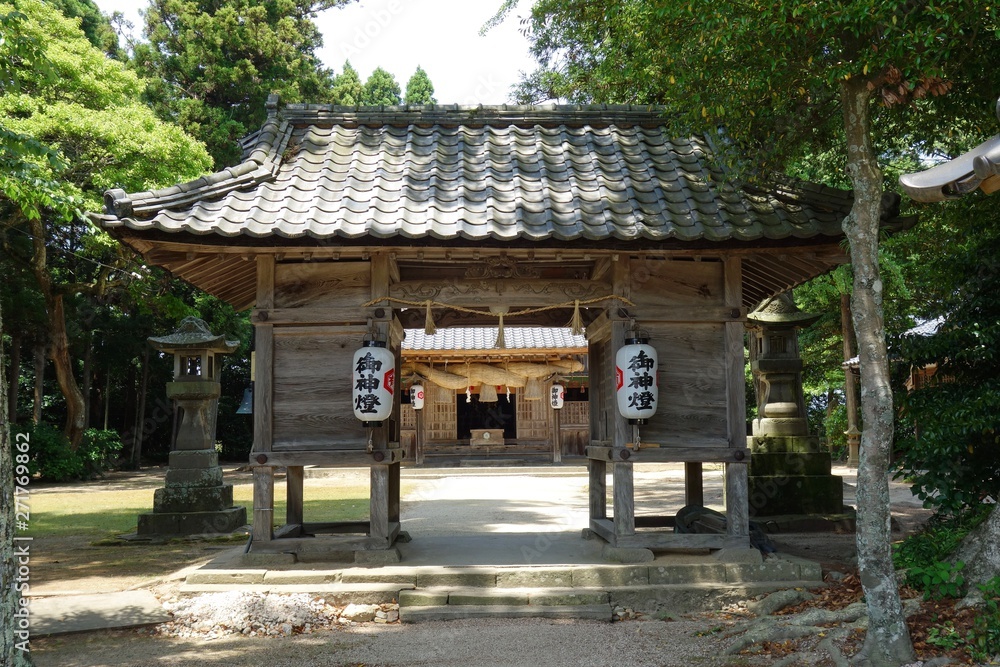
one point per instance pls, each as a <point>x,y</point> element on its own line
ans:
<point>484,338</point>
<point>448,172</point>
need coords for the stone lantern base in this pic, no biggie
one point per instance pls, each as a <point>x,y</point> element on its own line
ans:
<point>194,500</point>
<point>791,475</point>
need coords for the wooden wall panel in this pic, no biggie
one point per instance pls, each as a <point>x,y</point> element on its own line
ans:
<point>441,419</point>
<point>532,418</point>
<point>693,387</point>
<point>319,284</point>
<point>313,406</point>
<point>666,283</point>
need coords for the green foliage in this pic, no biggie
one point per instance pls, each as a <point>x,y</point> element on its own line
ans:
<point>950,427</point>
<point>51,456</point>
<point>214,62</point>
<point>834,425</point>
<point>346,87</point>
<point>983,641</point>
<point>381,88</point>
<point>938,538</point>
<point>53,460</point>
<point>938,580</point>
<point>100,449</point>
<point>93,23</point>
<point>419,89</point>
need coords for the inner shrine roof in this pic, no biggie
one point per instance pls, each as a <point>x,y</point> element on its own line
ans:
<point>503,173</point>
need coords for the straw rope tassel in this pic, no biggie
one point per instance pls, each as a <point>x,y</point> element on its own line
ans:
<point>576,322</point>
<point>429,328</point>
<point>501,339</point>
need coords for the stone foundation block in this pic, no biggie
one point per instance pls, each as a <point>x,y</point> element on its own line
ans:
<point>802,444</point>
<point>789,463</point>
<point>535,579</point>
<point>694,573</point>
<point>169,524</point>
<point>795,494</point>
<point>205,477</point>
<point>188,499</point>
<point>194,458</point>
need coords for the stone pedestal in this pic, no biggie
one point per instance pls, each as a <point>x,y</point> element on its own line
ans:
<point>792,475</point>
<point>194,500</point>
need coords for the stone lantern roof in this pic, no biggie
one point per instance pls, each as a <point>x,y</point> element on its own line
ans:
<point>193,334</point>
<point>781,310</point>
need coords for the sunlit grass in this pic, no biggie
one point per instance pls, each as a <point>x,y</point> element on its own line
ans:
<point>97,513</point>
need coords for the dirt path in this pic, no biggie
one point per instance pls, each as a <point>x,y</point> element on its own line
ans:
<point>512,501</point>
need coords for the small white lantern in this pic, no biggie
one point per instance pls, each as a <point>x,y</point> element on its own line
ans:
<point>417,396</point>
<point>557,394</point>
<point>374,382</point>
<point>636,384</point>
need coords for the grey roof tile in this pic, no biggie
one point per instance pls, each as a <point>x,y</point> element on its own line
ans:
<point>506,172</point>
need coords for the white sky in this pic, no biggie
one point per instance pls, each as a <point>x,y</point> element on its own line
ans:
<point>442,36</point>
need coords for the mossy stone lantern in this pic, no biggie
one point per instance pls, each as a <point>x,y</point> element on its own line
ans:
<point>194,500</point>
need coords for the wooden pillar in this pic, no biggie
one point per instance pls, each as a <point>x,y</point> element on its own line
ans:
<point>294,483</point>
<point>263,476</point>
<point>419,440</point>
<point>622,473</point>
<point>598,489</point>
<point>384,477</point>
<point>737,491</point>
<point>694,487</point>
<point>556,439</point>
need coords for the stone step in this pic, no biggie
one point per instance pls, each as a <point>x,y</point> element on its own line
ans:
<point>336,594</point>
<point>597,612</point>
<point>544,597</point>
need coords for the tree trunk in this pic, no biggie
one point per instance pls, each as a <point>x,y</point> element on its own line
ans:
<point>850,387</point>
<point>139,434</point>
<point>64,371</point>
<point>39,394</point>
<point>14,377</point>
<point>10,591</point>
<point>980,551</point>
<point>888,639</point>
<point>88,371</point>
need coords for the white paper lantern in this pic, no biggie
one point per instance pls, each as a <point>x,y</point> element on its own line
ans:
<point>374,382</point>
<point>636,383</point>
<point>417,396</point>
<point>557,394</point>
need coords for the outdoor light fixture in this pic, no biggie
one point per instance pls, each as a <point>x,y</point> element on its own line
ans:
<point>417,396</point>
<point>636,384</point>
<point>246,407</point>
<point>374,382</point>
<point>557,394</point>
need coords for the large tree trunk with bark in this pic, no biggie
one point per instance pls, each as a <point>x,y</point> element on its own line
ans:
<point>10,596</point>
<point>888,639</point>
<point>63,364</point>
<point>60,353</point>
<point>38,396</point>
<point>980,551</point>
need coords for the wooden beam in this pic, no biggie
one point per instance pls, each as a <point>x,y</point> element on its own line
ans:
<point>516,292</point>
<point>598,471</point>
<point>694,484</point>
<point>294,483</point>
<point>263,505</point>
<point>310,316</point>
<point>336,458</point>
<point>263,395</point>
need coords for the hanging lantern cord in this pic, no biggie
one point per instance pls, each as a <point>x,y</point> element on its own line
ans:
<point>635,437</point>
<point>371,446</point>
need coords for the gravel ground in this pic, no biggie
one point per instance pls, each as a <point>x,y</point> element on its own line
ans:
<point>479,642</point>
<point>274,630</point>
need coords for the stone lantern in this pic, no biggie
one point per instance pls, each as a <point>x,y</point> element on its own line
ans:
<point>194,499</point>
<point>790,474</point>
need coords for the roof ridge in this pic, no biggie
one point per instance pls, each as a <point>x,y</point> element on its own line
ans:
<point>261,164</point>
